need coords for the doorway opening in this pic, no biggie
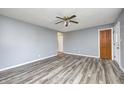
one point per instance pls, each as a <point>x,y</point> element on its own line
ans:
<point>60,43</point>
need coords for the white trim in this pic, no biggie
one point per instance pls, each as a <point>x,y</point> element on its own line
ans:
<point>80,54</point>
<point>10,67</point>
<point>99,40</point>
<point>119,62</point>
<point>121,68</point>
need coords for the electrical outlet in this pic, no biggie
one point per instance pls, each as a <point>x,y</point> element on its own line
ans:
<point>79,52</point>
<point>39,55</point>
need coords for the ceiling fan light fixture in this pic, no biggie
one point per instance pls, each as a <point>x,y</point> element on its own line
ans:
<point>66,23</point>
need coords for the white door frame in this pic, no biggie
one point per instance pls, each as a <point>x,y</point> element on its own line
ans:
<point>119,47</point>
<point>99,40</point>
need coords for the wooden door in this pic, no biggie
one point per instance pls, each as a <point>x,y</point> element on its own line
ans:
<point>105,44</point>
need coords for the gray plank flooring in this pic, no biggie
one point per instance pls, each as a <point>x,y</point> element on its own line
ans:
<point>69,69</point>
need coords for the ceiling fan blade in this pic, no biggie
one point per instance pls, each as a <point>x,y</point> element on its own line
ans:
<point>59,22</point>
<point>60,18</point>
<point>72,16</point>
<point>74,21</point>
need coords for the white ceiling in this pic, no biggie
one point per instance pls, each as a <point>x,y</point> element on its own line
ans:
<point>46,17</point>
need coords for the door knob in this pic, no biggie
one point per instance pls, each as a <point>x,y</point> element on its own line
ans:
<point>117,47</point>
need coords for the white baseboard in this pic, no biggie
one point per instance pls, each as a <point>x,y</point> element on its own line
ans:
<point>10,67</point>
<point>80,54</point>
<point>122,68</point>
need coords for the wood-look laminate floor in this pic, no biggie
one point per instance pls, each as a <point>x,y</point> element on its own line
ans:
<point>69,69</point>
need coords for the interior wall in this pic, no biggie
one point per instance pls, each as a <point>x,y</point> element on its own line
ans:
<point>121,19</point>
<point>84,41</point>
<point>22,42</point>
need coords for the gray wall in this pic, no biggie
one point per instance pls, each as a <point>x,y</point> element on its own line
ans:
<point>121,19</point>
<point>83,41</point>
<point>21,42</point>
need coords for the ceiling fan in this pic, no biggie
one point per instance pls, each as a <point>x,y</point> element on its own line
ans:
<point>66,20</point>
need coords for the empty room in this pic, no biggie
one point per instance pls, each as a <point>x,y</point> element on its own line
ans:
<point>61,45</point>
